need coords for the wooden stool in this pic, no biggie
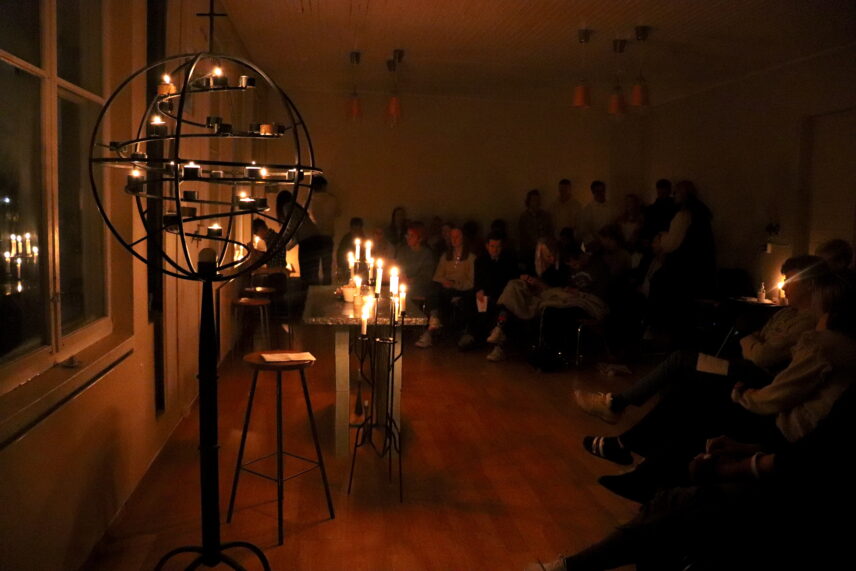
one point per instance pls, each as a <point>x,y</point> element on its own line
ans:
<point>257,363</point>
<point>259,304</point>
<point>259,291</point>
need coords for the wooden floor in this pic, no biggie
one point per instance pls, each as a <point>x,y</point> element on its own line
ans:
<point>495,476</point>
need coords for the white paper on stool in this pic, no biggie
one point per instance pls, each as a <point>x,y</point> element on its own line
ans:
<point>287,357</point>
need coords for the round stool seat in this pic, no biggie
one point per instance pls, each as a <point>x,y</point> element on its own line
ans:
<point>251,302</point>
<point>256,361</point>
<point>259,290</point>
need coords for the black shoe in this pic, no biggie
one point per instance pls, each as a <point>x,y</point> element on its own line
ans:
<point>608,448</point>
<point>632,485</point>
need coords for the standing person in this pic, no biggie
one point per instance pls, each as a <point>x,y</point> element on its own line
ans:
<point>659,213</point>
<point>534,224</point>
<point>493,270</point>
<point>346,244</point>
<point>594,215</point>
<point>631,221</point>
<point>453,278</point>
<point>324,209</point>
<point>271,239</point>
<point>397,227</point>
<point>416,262</point>
<point>315,251</point>
<point>565,209</point>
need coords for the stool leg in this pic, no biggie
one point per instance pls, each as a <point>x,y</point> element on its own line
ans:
<point>241,447</point>
<point>279,456</point>
<point>317,444</point>
<point>267,326</point>
<point>579,358</point>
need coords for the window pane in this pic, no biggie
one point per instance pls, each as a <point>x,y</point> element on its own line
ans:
<point>23,323</point>
<point>19,29</point>
<point>79,43</point>
<point>81,230</point>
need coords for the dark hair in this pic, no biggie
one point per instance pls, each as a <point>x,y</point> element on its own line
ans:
<point>596,183</point>
<point>258,225</point>
<point>283,199</point>
<point>532,193</point>
<point>806,267</point>
<point>612,231</point>
<point>565,181</point>
<point>356,221</point>
<point>837,252</point>
<point>835,296</point>
<point>663,183</point>
<point>495,236</point>
<point>693,203</point>
<point>318,182</point>
<point>392,218</point>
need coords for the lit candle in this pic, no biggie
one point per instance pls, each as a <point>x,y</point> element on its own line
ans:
<point>379,278</point>
<point>166,87</point>
<point>191,171</point>
<point>256,240</point>
<point>157,128</point>
<point>357,249</point>
<point>402,297</point>
<point>266,129</point>
<point>368,249</point>
<point>135,181</point>
<point>8,257</point>
<point>245,81</point>
<point>18,263</point>
<point>20,287</point>
<point>364,321</point>
<point>27,246</point>
<point>393,281</point>
<point>14,241</point>
<point>350,266</point>
<point>263,172</point>
<point>35,254</point>
<point>252,171</point>
<point>358,283</point>
<point>20,246</point>
<point>215,231</point>
<point>219,80</point>
<point>247,203</point>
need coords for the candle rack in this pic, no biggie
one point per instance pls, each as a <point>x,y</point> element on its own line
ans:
<point>382,350</point>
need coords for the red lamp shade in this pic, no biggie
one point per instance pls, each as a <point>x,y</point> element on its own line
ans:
<point>354,108</point>
<point>393,110</point>
<point>639,94</point>
<point>582,96</point>
<point>616,103</point>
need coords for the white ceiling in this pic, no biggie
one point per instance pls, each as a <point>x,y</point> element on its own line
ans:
<point>511,47</point>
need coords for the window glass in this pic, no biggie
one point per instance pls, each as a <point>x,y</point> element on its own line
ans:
<point>23,303</point>
<point>19,29</point>
<point>81,232</point>
<point>79,43</point>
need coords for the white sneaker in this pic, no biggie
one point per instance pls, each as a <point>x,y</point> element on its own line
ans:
<point>498,354</point>
<point>434,323</point>
<point>425,341</point>
<point>556,565</point>
<point>497,336</point>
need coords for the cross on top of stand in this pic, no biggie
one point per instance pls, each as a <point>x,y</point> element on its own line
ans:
<point>210,14</point>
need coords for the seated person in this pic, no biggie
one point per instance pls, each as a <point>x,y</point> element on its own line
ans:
<point>613,252</point>
<point>765,352</point>
<point>346,244</point>
<point>381,247</point>
<point>416,262</point>
<point>839,255</point>
<point>493,270</point>
<point>271,239</point>
<point>453,279</point>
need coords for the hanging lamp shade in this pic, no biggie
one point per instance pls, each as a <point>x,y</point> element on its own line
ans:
<point>393,110</point>
<point>582,96</point>
<point>616,102</point>
<point>639,93</point>
<point>354,107</point>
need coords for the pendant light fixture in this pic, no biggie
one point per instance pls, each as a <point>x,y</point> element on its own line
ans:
<point>393,106</point>
<point>617,106</point>
<point>354,107</point>
<point>639,93</point>
<point>582,91</point>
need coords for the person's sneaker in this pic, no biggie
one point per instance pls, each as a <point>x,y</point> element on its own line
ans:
<point>466,341</point>
<point>498,354</point>
<point>434,323</point>
<point>597,404</point>
<point>608,448</point>
<point>497,336</point>
<point>424,341</point>
<point>557,564</point>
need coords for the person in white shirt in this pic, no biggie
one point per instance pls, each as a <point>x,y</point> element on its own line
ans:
<point>566,209</point>
<point>594,215</point>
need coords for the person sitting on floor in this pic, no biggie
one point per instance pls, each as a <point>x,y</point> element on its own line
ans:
<point>453,283</point>
<point>493,270</point>
<point>416,262</point>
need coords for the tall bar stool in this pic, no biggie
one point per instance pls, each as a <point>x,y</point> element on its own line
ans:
<point>258,364</point>
<point>244,305</point>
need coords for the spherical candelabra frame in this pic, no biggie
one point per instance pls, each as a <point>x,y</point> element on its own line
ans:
<point>157,180</point>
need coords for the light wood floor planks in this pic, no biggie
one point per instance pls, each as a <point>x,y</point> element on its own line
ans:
<point>495,475</point>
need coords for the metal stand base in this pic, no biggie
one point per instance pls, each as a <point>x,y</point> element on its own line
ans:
<point>216,558</point>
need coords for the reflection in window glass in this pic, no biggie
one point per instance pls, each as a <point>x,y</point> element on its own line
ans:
<point>19,29</point>
<point>79,47</point>
<point>23,324</point>
<point>81,232</point>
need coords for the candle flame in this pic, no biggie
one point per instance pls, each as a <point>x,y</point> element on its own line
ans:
<point>215,226</point>
<point>191,164</point>
<point>27,236</point>
<point>218,71</point>
<point>393,271</point>
<point>36,250</point>
<point>263,172</point>
<point>379,263</point>
<point>157,120</point>
<point>402,289</point>
<point>7,255</point>
<point>136,173</point>
<point>242,194</point>
<point>167,78</point>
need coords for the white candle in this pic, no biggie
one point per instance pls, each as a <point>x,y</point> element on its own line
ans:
<point>368,249</point>
<point>35,253</point>
<point>27,244</point>
<point>357,249</point>
<point>8,257</point>
<point>364,321</point>
<point>393,281</point>
<point>20,245</point>
<point>18,263</point>
<point>350,266</point>
<point>14,245</point>
<point>402,296</point>
<point>379,278</point>
<point>370,262</point>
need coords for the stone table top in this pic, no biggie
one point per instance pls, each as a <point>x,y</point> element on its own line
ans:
<point>324,307</point>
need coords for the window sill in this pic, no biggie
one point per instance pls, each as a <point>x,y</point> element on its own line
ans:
<point>26,406</point>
